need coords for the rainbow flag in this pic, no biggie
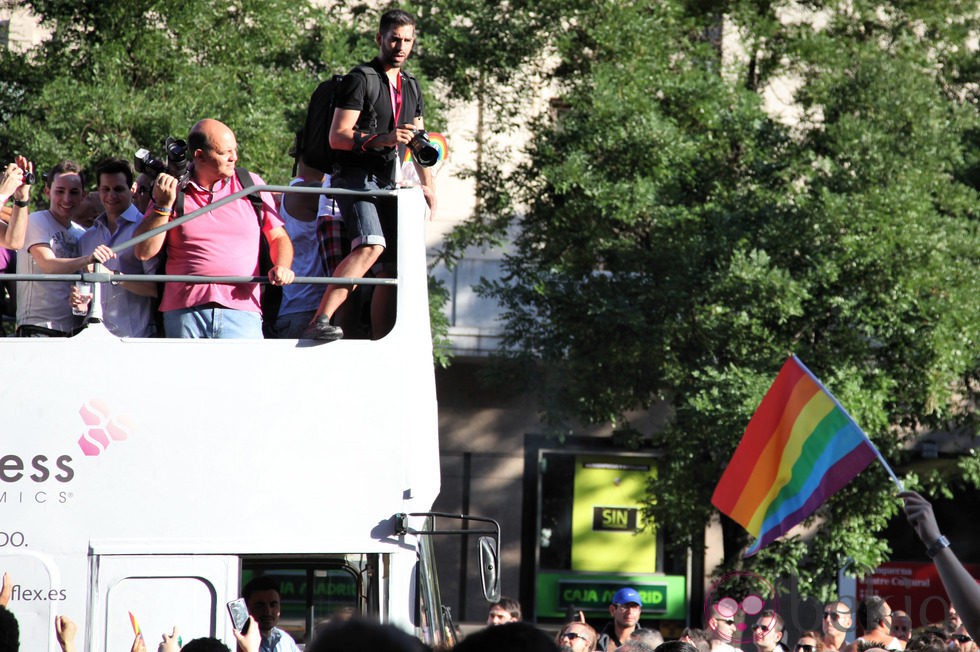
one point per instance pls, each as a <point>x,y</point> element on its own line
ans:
<point>799,448</point>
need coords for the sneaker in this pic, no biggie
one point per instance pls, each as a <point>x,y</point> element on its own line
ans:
<point>321,329</point>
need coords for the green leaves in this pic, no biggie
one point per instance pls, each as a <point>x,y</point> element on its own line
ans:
<point>676,241</point>
<point>119,75</point>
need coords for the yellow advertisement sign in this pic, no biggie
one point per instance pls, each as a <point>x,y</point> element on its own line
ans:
<point>607,516</point>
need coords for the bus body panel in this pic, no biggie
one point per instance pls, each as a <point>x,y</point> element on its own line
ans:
<point>122,454</point>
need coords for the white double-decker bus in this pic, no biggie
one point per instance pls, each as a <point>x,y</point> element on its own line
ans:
<point>152,477</point>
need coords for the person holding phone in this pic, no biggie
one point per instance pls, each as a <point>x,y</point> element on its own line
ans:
<point>262,598</point>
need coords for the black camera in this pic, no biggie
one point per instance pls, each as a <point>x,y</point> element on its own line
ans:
<point>144,163</point>
<point>424,152</point>
<point>176,165</point>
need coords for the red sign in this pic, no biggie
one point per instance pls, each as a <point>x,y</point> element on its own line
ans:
<point>913,587</point>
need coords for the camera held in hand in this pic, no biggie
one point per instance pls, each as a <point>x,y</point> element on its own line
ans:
<point>424,152</point>
<point>176,165</point>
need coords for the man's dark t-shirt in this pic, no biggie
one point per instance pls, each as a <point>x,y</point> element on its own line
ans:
<point>351,94</point>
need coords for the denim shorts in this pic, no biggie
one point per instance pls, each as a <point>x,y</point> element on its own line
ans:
<point>368,220</point>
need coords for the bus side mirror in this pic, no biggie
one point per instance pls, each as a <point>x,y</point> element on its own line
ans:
<point>489,569</point>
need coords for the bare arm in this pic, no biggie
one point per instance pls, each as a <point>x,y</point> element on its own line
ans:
<point>141,289</point>
<point>12,235</point>
<point>48,263</point>
<point>65,629</point>
<point>250,641</point>
<point>344,136</point>
<point>164,195</point>
<point>963,590</point>
<point>281,252</point>
<point>6,590</point>
<point>303,206</point>
<point>426,178</point>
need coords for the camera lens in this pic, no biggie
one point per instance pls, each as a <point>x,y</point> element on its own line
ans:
<point>29,178</point>
<point>423,150</point>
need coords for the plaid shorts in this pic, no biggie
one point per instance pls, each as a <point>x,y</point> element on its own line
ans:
<point>332,242</point>
<point>334,245</point>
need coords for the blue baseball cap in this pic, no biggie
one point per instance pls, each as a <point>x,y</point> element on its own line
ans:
<point>626,595</point>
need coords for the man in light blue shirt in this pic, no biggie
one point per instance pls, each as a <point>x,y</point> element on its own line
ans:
<point>128,308</point>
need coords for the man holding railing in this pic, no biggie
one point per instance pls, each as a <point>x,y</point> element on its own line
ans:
<point>222,242</point>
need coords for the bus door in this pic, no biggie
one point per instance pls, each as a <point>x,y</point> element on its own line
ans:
<point>127,591</point>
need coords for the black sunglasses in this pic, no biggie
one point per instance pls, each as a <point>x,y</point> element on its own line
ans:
<point>804,648</point>
<point>572,636</point>
<point>961,638</point>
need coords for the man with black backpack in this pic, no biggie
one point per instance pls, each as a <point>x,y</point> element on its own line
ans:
<point>222,242</point>
<point>378,109</point>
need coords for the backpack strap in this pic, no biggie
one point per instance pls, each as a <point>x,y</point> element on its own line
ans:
<point>245,179</point>
<point>414,83</point>
<point>372,92</point>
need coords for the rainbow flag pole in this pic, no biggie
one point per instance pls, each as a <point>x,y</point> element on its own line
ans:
<point>799,448</point>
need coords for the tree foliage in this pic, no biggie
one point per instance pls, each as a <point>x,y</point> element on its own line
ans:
<point>115,76</point>
<point>676,242</point>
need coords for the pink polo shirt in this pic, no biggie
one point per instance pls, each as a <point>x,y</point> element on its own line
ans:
<point>223,242</point>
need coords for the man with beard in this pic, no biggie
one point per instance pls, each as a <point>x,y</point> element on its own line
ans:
<point>369,134</point>
<point>625,612</point>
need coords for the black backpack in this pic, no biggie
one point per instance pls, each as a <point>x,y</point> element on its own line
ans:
<point>315,136</point>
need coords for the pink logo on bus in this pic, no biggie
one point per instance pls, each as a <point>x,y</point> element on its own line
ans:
<point>103,427</point>
<point>738,598</point>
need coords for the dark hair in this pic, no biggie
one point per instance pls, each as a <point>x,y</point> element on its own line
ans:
<point>359,635</point>
<point>864,646</point>
<point>870,612</point>
<point>699,639</point>
<point>114,166</point>
<point>66,166</point>
<point>261,583</point>
<point>9,631</point>
<point>926,641</point>
<point>510,605</point>
<point>513,637</point>
<point>205,645</point>
<point>634,645</point>
<point>395,18</point>
<point>676,646</point>
<point>769,613</point>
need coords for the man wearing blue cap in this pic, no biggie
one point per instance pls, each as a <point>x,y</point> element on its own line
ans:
<point>625,612</point>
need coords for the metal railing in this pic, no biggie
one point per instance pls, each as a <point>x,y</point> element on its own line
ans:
<point>99,276</point>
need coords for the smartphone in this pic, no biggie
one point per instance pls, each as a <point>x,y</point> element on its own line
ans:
<point>239,615</point>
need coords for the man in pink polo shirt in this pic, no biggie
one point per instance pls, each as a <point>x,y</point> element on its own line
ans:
<point>223,242</point>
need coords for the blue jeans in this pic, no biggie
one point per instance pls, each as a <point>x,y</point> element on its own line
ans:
<point>213,323</point>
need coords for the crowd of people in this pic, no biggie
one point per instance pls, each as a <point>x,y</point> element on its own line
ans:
<point>132,225</point>
<point>878,628</point>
